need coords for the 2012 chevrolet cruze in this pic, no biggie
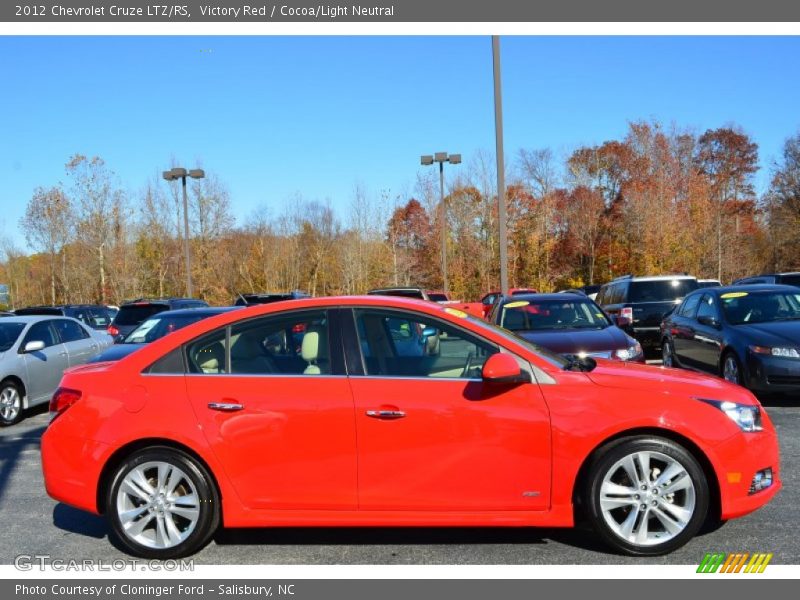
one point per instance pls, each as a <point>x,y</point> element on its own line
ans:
<point>389,411</point>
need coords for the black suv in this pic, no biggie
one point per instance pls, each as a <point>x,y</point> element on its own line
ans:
<point>638,304</point>
<point>268,298</point>
<point>131,314</point>
<point>788,278</point>
<point>95,316</point>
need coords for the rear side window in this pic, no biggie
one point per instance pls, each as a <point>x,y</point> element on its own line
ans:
<point>133,314</point>
<point>99,318</point>
<point>790,280</point>
<point>661,290</point>
<point>70,331</point>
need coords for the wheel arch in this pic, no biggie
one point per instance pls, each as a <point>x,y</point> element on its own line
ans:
<point>715,498</point>
<point>123,452</point>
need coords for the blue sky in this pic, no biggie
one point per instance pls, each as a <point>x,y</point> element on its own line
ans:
<point>277,116</point>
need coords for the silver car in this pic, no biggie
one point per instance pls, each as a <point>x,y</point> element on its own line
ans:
<point>34,351</point>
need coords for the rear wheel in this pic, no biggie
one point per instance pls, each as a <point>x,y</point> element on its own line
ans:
<point>10,403</point>
<point>646,496</point>
<point>162,504</point>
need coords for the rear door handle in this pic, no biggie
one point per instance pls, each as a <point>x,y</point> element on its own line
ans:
<point>386,414</point>
<point>225,406</point>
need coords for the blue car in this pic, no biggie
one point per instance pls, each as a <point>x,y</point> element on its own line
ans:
<point>747,334</point>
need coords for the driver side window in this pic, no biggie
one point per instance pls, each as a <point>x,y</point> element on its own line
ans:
<point>396,344</point>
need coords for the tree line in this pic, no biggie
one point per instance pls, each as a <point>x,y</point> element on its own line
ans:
<point>659,200</point>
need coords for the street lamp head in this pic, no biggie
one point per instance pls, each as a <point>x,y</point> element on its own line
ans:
<point>426,160</point>
<point>440,157</point>
<point>168,175</point>
<point>455,159</point>
<point>178,172</point>
<point>197,173</point>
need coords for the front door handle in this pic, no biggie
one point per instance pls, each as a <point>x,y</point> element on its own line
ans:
<point>225,406</point>
<point>386,414</point>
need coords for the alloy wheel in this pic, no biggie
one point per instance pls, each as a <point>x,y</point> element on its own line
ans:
<point>10,404</point>
<point>157,505</point>
<point>647,498</point>
<point>730,370</point>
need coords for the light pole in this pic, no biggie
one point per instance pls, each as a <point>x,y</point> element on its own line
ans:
<point>501,177</point>
<point>182,174</point>
<point>441,158</point>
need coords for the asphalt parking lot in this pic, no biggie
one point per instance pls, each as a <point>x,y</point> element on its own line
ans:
<point>33,524</point>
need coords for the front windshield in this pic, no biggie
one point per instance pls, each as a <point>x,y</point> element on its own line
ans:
<point>9,333</point>
<point>537,315</point>
<point>555,359</point>
<point>743,308</point>
<point>159,326</point>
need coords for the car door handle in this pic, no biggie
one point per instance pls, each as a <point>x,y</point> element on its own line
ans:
<point>386,414</point>
<point>225,406</point>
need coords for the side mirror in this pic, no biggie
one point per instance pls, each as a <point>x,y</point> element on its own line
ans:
<point>708,321</point>
<point>503,368</point>
<point>33,346</point>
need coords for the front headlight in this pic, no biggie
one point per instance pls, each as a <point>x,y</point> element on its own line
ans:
<point>782,351</point>
<point>629,353</point>
<point>746,416</point>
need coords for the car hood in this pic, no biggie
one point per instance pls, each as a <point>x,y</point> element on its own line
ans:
<point>776,333</point>
<point>572,341</point>
<point>116,352</point>
<point>654,381</point>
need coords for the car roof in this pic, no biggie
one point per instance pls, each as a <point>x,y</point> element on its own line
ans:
<point>378,291</point>
<point>651,278</point>
<point>34,318</point>
<point>143,301</point>
<point>560,296</point>
<point>756,287</point>
<point>198,310</point>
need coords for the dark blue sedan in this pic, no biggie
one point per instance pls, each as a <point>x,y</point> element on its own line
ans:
<point>567,323</point>
<point>157,327</point>
<point>747,334</point>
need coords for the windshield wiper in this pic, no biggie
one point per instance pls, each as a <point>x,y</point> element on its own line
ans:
<point>577,363</point>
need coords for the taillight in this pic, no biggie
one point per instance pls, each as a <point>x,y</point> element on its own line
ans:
<point>626,313</point>
<point>62,399</point>
<point>112,331</point>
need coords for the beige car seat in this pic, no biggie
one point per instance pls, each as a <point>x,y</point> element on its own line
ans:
<point>314,350</point>
<point>211,358</point>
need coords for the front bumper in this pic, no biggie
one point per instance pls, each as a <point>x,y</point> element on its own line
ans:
<point>772,374</point>
<point>737,460</point>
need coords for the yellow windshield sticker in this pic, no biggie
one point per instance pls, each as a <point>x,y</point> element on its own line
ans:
<point>456,313</point>
<point>734,295</point>
<point>516,304</point>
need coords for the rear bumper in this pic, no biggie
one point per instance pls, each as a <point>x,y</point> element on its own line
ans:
<point>739,458</point>
<point>71,468</point>
<point>648,337</point>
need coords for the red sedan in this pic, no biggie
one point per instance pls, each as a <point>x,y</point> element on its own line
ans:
<point>388,411</point>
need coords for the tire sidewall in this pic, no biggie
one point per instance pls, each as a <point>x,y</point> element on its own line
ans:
<point>18,418</point>
<point>209,518</point>
<point>606,459</point>
<point>667,352</point>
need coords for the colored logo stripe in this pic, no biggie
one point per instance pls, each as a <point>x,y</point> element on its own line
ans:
<point>734,562</point>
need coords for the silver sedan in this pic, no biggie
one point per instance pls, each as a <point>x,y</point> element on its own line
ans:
<point>34,351</point>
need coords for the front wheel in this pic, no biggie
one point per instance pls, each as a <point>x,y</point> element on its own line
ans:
<point>667,355</point>
<point>162,504</point>
<point>731,370</point>
<point>646,496</point>
<point>10,404</point>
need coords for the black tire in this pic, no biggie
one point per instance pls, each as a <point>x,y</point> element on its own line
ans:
<point>8,418</point>
<point>667,354</point>
<point>604,461</point>
<point>209,508</point>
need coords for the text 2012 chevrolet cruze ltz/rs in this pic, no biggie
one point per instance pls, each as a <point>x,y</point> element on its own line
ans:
<point>379,411</point>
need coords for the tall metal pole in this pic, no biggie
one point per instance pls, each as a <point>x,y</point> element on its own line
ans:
<point>443,216</point>
<point>501,177</point>
<point>186,240</point>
